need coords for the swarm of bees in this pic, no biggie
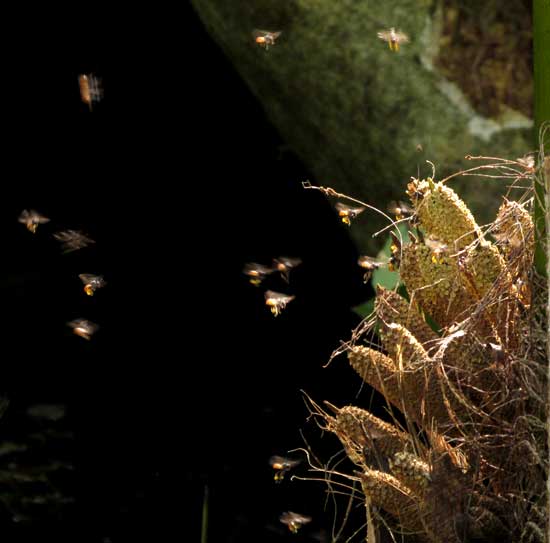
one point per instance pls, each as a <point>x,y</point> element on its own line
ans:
<point>265,38</point>
<point>91,91</point>
<point>282,465</point>
<point>393,37</point>
<point>31,219</point>
<point>294,521</point>
<point>347,213</point>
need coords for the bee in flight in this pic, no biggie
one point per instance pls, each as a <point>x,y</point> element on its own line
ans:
<point>284,264</point>
<point>401,210</point>
<point>282,465</point>
<point>256,272</point>
<point>72,240</point>
<point>393,37</point>
<point>83,328</point>
<point>265,38</point>
<point>438,249</point>
<point>31,219</point>
<point>347,213</point>
<point>92,282</point>
<point>369,264</point>
<point>277,301</point>
<point>90,89</point>
<point>294,521</point>
<point>527,162</point>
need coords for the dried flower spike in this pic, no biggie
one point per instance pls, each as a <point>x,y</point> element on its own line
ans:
<point>31,219</point>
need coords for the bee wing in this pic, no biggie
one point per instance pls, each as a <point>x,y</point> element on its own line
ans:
<point>342,207</point>
<point>87,277</point>
<point>251,268</point>
<point>24,216</point>
<point>275,35</point>
<point>385,35</point>
<point>257,33</point>
<point>368,262</point>
<point>288,261</point>
<point>278,297</point>
<point>401,37</point>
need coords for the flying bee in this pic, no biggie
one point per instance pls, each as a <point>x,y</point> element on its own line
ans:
<point>393,37</point>
<point>72,240</point>
<point>400,210</point>
<point>256,273</point>
<point>83,328</point>
<point>347,213</point>
<point>284,264</point>
<point>395,249</point>
<point>31,219</point>
<point>277,301</point>
<point>265,38</point>
<point>90,89</point>
<point>438,249</point>
<point>369,264</point>
<point>282,465</point>
<point>413,192</point>
<point>92,282</point>
<point>294,521</point>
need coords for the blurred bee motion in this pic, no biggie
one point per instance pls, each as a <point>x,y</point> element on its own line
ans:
<point>400,209</point>
<point>294,521</point>
<point>92,282</point>
<point>277,301</point>
<point>90,89</point>
<point>83,328</point>
<point>347,213</point>
<point>369,264</point>
<point>72,240</point>
<point>31,219</point>
<point>282,465</point>
<point>256,273</point>
<point>393,37</point>
<point>284,264</point>
<point>265,38</point>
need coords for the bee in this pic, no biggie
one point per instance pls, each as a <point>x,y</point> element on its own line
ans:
<point>83,328</point>
<point>369,264</point>
<point>256,273</point>
<point>72,240</point>
<point>294,521</point>
<point>31,219</point>
<point>281,465</point>
<point>277,301</point>
<point>284,264</point>
<point>528,162</point>
<point>347,213</point>
<point>438,249</point>
<point>265,38</point>
<point>92,282</point>
<point>393,37</point>
<point>395,249</point>
<point>400,210</point>
<point>90,89</point>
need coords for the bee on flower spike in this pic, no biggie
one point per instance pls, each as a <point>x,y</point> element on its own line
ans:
<point>294,521</point>
<point>265,38</point>
<point>31,219</point>
<point>92,282</point>
<point>277,301</point>
<point>393,37</point>
<point>347,213</point>
<point>438,249</point>
<point>282,465</point>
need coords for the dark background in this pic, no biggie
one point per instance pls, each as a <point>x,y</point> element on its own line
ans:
<point>190,381</point>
